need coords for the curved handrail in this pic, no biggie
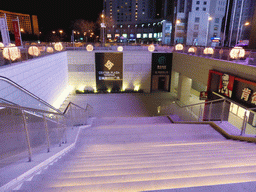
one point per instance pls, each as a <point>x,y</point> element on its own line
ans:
<point>57,111</point>
<point>28,93</point>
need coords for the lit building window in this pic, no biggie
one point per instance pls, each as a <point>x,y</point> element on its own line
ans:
<point>155,35</point>
<point>150,35</point>
<point>138,35</point>
<point>145,35</point>
<point>109,36</point>
<point>124,35</point>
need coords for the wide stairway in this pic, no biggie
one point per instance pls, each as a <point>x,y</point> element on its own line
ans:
<point>149,154</point>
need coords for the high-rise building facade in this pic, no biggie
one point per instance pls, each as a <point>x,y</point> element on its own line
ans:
<point>24,21</point>
<point>130,11</point>
<point>136,21</point>
<point>240,17</point>
<point>205,21</point>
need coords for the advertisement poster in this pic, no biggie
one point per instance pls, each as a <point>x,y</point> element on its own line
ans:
<point>17,35</point>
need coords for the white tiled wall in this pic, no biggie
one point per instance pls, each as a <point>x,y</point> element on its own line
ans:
<point>46,77</point>
<point>136,69</point>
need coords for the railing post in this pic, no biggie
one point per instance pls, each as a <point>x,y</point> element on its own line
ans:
<point>222,111</point>
<point>27,135</point>
<point>244,123</point>
<point>58,127</point>
<point>210,112</point>
<point>47,134</point>
<point>200,113</point>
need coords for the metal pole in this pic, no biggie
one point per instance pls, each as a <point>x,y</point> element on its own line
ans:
<point>226,19</point>
<point>239,23</point>
<point>244,123</point>
<point>47,134</point>
<point>210,112</point>
<point>206,41</point>
<point>232,24</point>
<point>222,111</point>
<point>58,127</point>
<point>200,113</point>
<point>27,135</point>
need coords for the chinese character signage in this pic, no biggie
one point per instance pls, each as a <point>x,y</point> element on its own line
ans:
<point>161,63</point>
<point>239,90</point>
<point>109,71</point>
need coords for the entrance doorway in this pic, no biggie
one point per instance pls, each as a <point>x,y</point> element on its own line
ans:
<point>161,83</point>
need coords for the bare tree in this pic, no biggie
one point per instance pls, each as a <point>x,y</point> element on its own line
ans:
<point>86,28</point>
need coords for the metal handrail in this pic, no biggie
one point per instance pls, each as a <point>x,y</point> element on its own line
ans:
<point>38,99</point>
<point>202,103</point>
<point>28,93</point>
<point>41,113</point>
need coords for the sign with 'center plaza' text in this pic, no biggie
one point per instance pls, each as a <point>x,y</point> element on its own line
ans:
<point>109,71</point>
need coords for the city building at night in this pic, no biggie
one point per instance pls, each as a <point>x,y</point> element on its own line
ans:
<point>26,24</point>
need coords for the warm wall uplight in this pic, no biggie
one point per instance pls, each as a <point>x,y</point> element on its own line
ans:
<point>178,21</point>
<point>237,53</point>
<point>120,48</point>
<point>53,32</point>
<point>63,96</point>
<point>61,31</point>
<point>102,16</point>
<point>136,87</point>
<point>209,18</point>
<point>151,48</point>
<point>179,47</point>
<point>33,50</point>
<point>247,23</point>
<point>1,45</point>
<point>21,30</point>
<point>89,47</point>
<point>208,51</point>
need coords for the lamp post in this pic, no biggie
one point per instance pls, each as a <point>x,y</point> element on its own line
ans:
<point>207,32</point>
<point>246,24</point>
<point>103,26</point>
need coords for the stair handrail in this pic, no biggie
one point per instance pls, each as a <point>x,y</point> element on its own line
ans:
<point>38,99</point>
<point>28,93</point>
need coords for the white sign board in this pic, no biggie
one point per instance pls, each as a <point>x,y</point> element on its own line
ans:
<point>4,32</point>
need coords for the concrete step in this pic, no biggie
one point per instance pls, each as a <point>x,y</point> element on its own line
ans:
<point>88,180</point>
<point>141,185</point>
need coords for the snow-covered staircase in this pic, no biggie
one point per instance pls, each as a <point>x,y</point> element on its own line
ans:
<point>143,154</point>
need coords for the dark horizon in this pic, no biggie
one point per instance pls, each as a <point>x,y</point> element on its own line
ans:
<point>55,15</point>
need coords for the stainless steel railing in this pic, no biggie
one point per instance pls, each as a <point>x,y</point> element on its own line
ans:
<point>30,124</point>
<point>219,110</point>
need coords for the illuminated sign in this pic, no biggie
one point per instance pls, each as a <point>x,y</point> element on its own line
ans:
<point>109,70</point>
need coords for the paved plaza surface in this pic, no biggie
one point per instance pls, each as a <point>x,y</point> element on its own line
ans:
<point>125,104</point>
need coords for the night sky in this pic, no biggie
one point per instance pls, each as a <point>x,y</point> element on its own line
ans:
<point>56,14</point>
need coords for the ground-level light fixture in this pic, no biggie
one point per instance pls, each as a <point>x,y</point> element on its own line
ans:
<point>192,50</point>
<point>179,47</point>
<point>11,53</point>
<point>34,51</point>
<point>208,51</point>
<point>120,48</point>
<point>89,47</point>
<point>151,48</point>
<point>58,46</point>
<point>237,53</point>
<point>49,50</point>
